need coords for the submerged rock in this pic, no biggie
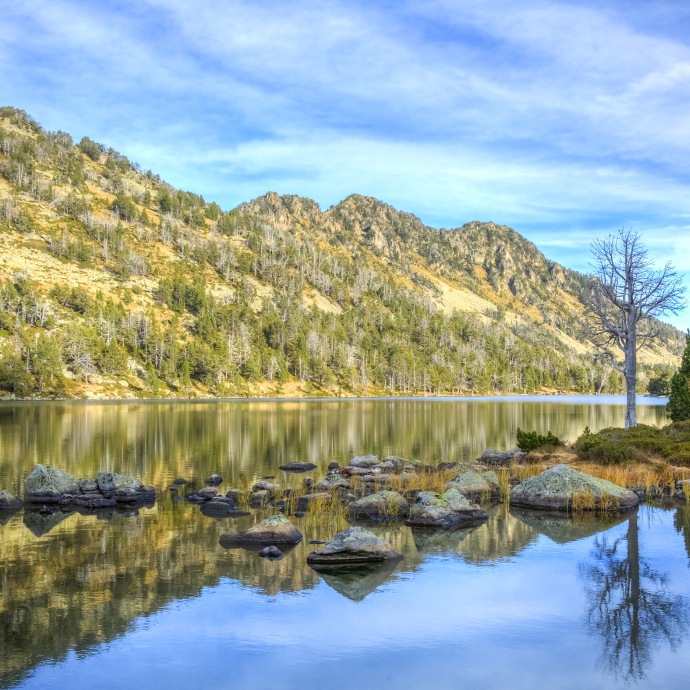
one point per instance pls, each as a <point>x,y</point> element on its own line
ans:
<point>554,490</point>
<point>46,484</point>
<point>354,546</point>
<point>274,530</point>
<point>9,502</point>
<point>381,504</point>
<point>179,481</point>
<point>471,485</point>
<point>298,467</point>
<point>364,461</point>
<point>214,479</point>
<point>221,506</point>
<point>443,510</point>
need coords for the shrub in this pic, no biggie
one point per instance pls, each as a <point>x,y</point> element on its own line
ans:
<point>678,407</point>
<point>531,440</point>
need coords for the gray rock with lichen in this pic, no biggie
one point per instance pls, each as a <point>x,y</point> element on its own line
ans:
<point>47,484</point>
<point>472,485</point>
<point>110,481</point>
<point>274,530</point>
<point>554,490</point>
<point>353,546</point>
<point>380,504</point>
<point>364,461</point>
<point>443,510</point>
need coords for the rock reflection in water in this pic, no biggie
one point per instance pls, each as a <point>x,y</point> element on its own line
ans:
<point>629,605</point>
<point>358,583</point>
<point>562,528</point>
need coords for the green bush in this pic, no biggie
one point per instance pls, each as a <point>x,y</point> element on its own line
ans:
<point>678,407</point>
<point>531,440</point>
<point>615,446</point>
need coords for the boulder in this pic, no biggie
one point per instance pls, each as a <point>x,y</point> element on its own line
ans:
<point>9,502</point>
<point>266,486</point>
<point>364,461</point>
<point>221,506</point>
<point>381,504</point>
<point>214,479</point>
<point>136,493</point>
<point>353,547</point>
<point>47,485</point>
<point>298,467</point>
<point>375,478</point>
<point>332,466</point>
<point>201,495</point>
<point>259,498</point>
<point>274,530</point>
<point>109,482</point>
<point>89,486</point>
<point>471,485</point>
<point>332,481</point>
<point>443,510</point>
<point>398,463</point>
<point>553,489</point>
<point>179,481</point>
<point>304,502</point>
<point>491,478</point>
<point>270,552</point>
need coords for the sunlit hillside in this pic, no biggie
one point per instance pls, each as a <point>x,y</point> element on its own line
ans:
<point>115,284</point>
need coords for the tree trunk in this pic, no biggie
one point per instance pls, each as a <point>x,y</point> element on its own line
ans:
<point>631,375</point>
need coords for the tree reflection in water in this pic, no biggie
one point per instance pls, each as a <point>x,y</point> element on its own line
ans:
<point>630,605</point>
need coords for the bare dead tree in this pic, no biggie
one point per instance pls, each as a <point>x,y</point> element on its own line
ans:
<point>627,293</point>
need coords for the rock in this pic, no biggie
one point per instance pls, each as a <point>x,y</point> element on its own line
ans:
<point>109,481</point>
<point>259,498</point>
<point>332,466</point>
<point>375,478</point>
<point>298,467</point>
<point>274,530</point>
<point>332,481</point>
<point>47,484</point>
<point>266,486</point>
<point>354,546</point>
<point>472,485</point>
<point>380,504</point>
<point>443,510</point>
<point>554,489</point>
<point>270,552</point>
<point>304,502</point>
<point>214,479</point>
<point>180,482</point>
<point>497,457</point>
<point>89,486</point>
<point>443,466</point>
<point>364,461</point>
<point>407,477</point>
<point>201,495</point>
<point>398,463</point>
<point>386,467</point>
<point>221,506</point>
<point>491,478</point>
<point>9,502</point>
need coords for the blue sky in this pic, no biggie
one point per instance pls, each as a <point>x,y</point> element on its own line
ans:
<point>564,120</point>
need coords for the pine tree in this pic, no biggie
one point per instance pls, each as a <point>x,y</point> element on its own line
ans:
<point>185,378</point>
<point>678,407</point>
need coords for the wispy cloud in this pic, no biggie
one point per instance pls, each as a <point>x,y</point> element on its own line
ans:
<point>562,119</point>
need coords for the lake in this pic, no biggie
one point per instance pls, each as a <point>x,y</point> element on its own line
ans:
<point>149,596</point>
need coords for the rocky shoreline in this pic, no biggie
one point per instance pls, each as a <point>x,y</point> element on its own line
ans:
<point>365,490</point>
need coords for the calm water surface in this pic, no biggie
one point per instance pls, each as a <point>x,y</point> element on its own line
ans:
<point>150,597</point>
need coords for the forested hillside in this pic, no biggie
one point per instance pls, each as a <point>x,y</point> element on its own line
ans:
<point>115,284</point>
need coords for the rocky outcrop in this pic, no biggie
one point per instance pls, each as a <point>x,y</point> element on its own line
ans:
<point>298,467</point>
<point>9,502</point>
<point>353,547</point>
<point>443,511</point>
<point>472,485</point>
<point>558,487</point>
<point>47,485</point>
<point>381,504</point>
<point>274,530</point>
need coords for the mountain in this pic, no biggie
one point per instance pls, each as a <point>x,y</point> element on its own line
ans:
<point>116,284</point>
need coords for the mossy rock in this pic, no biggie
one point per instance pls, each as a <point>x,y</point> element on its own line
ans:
<point>46,484</point>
